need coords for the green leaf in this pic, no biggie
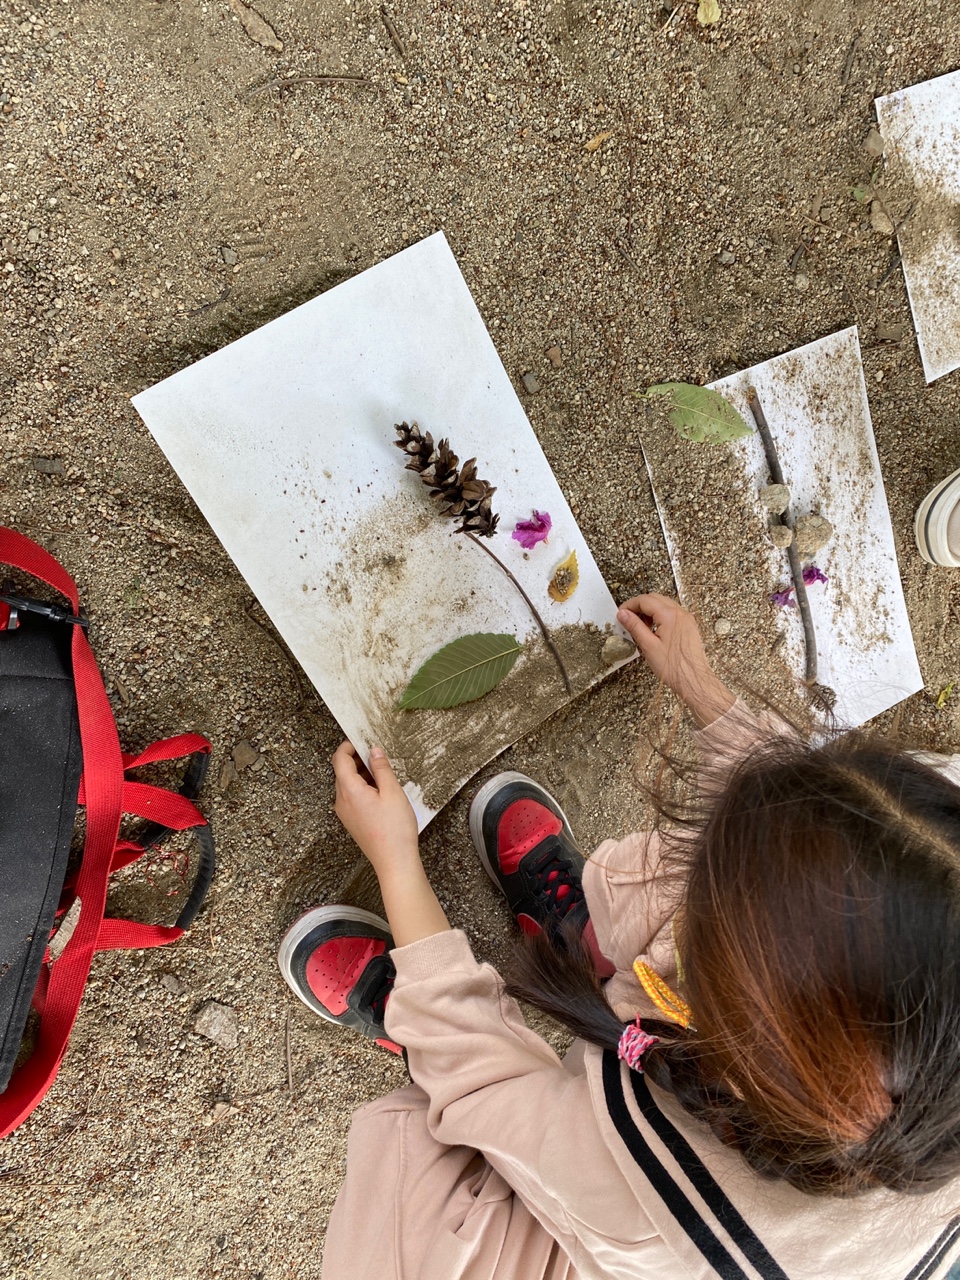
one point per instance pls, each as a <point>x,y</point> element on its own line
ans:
<point>861,194</point>
<point>944,696</point>
<point>461,671</point>
<point>699,414</point>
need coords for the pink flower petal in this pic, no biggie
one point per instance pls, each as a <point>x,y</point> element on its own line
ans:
<point>783,598</point>
<point>812,574</point>
<point>529,532</point>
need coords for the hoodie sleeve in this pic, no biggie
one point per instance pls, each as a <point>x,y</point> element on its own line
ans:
<point>496,1086</point>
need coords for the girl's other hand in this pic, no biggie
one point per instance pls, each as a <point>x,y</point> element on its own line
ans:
<point>372,806</point>
<point>669,639</point>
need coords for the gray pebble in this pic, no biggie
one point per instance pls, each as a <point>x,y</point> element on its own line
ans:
<point>229,255</point>
<point>880,219</point>
<point>49,466</point>
<point>727,258</point>
<point>873,144</point>
<point>616,649</point>
<point>245,754</point>
<point>723,626</point>
<point>531,383</point>
<point>219,1023</point>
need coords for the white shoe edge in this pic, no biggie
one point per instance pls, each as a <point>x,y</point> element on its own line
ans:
<point>304,925</point>
<point>932,539</point>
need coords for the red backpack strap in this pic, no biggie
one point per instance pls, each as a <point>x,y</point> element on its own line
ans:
<point>103,766</point>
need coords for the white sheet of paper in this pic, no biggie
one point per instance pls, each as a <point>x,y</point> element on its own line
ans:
<point>815,402</point>
<point>285,440</point>
<point>921,133</point>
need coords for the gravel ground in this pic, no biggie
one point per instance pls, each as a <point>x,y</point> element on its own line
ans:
<point>161,194</point>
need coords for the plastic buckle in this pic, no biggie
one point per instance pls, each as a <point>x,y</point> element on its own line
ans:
<point>24,604</point>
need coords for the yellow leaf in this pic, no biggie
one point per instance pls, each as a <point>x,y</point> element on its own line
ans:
<point>944,695</point>
<point>564,581</point>
<point>598,141</point>
<point>708,12</point>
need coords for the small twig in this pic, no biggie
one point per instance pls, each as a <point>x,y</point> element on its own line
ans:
<point>286,1036</point>
<point>222,297</point>
<point>897,261</point>
<point>796,569</point>
<point>392,31</point>
<point>671,18</point>
<point>898,225</point>
<point>797,257</point>
<point>80,1120</point>
<point>530,605</point>
<point>618,245</point>
<point>848,64</point>
<point>286,82</point>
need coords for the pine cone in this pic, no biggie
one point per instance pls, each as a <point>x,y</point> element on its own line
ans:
<point>457,490</point>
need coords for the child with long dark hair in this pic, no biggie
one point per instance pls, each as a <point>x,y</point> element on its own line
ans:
<point>766,1080</point>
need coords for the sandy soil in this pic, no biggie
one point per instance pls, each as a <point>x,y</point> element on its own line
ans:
<point>155,204</point>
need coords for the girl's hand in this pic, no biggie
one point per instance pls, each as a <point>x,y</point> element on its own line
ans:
<point>374,809</point>
<point>669,639</point>
<point>372,806</point>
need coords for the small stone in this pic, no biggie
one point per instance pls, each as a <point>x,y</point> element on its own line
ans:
<point>873,144</point>
<point>115,254</point>
<point>802,282</point>
<point>245,754</point>
<point>228,776</point>
<point>616,649</point>
<point>880,219</point>
<point>49,466</point>
<point>811,533</point>
<point>723,626</point>
<point>33,235</point>
<point>221,1111</point>
<point>531,383</point>
<point>229,256</point>
<point>218,1022</point>
<point>170,982</point>
<point>555,356</point>
<point>775,497</point>
<point>781,535</point>
<point>727,258</point>
<point>890,332</point>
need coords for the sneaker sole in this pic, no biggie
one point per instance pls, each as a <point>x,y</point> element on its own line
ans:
<point>479,804</point>
<point>930,522</point>
<point>306,924</point>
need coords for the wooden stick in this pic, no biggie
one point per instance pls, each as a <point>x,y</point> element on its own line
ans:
<point>392,31</point>
<point>796,569</point>
<point>286,1037</point>
<point>291,80</point>
<point>530,605</point>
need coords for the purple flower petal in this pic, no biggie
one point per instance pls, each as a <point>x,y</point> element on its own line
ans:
<point>783,598</point>
<point>529,532</point>
<point>812,574</point>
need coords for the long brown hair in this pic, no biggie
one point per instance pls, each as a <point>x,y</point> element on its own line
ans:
<point>819,932</point>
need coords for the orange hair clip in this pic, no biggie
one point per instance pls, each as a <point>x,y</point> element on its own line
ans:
<point>665,998</point>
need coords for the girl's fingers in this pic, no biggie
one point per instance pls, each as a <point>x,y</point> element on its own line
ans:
<point>382,769</point>
<point>345,765</point>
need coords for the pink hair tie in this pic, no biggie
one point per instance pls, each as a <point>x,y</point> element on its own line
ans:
<point>634,1043</point>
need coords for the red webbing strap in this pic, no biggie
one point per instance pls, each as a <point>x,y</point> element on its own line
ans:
<point>184,744</point>
<point>119,935</point>
<point>104,794</point>
<point>168,808</point>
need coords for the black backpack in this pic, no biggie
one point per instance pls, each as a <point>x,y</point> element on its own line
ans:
<point>59,747</point>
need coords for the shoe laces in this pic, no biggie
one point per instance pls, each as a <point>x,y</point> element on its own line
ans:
<point>377,996</point>
<point>554,884</point>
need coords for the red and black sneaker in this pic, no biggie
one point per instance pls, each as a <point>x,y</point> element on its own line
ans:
<point>525,842</point>
<point>335,959</point>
